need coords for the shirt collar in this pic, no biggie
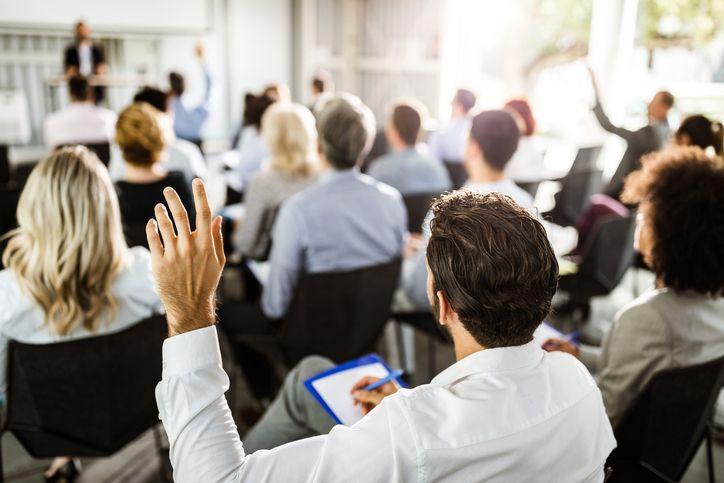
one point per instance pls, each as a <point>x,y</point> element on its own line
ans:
<point>334,175</point>
<point>499,359</point>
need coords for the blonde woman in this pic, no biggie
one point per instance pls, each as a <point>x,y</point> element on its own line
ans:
<point>140,137</point>
<point>69,213</point>
<point>289,133</point>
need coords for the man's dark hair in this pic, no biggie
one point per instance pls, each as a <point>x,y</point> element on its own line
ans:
<point>78,88</point>
<point>153,96</point>
<point>322,82</point>
<point>465,98</point>
<point>254,108</point>
<point>407,120</point>
<point>497,135</point>
<point>177,83</point>
<point>667,98</point>
<point>681,195</point>
<point>492,260</point>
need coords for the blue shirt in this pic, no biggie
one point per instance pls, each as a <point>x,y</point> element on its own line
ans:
<point>411,172</point>
<point>448,142</point>
<point>344,222</point>
<point>414,269</point>
<point>189,120</point>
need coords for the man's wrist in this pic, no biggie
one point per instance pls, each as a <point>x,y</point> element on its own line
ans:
<point>182,323</point>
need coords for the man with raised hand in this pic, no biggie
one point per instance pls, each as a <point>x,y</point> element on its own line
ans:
<point>505,411</point>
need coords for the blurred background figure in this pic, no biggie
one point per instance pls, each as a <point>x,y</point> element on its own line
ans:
<point>85,57</point>
<point>190,119</point>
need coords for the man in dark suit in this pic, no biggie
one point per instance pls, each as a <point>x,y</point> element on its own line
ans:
<point>86,58</point>
<point>651,137</point>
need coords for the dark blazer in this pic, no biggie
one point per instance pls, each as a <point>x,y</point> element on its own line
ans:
<point>640,142</point>
<point>71,57</point>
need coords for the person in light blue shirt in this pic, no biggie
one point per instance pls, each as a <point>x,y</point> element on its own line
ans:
<point>344,222</point>
<point>406,167</point>
<point>188,121</point>
<point>493,140</point>
<point>447,144</point>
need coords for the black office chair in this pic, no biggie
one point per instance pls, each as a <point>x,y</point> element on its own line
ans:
<point>457,173</point>
<point>380,147</point>
<point>665,426</point>
<point>85,397</point>
<point>417,205</point>
<point>4,165</point>
<point>585,159</point>
<point>607,254</point>
<point>574,197</point>
<point>9,196</point>
<point>102,150</point>
<point>339,315</point>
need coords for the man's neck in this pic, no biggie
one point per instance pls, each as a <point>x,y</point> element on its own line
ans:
<point>400,146</point>
<point>465,345</point>
<point>482,173</point>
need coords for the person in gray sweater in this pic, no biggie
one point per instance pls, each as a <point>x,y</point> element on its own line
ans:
<point>289,134</point>
<point>680,322</point>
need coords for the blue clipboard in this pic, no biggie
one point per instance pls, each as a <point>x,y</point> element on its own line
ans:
<point>362,361</point>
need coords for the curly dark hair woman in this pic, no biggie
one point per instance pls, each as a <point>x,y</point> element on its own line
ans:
<point>680,232</point>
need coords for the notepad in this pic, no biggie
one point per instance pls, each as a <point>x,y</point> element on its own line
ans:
<point>332,387</point>
<point>545,332</point>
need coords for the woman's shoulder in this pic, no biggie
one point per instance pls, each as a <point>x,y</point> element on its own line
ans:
<point>137,266</point>
<point>12,299</point>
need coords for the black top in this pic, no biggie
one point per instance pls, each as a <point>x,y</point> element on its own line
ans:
<point>71,57</point>
<point>137,200</point>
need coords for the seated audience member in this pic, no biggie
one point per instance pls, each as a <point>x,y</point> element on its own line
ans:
<point>321,84</point>
<point>448,142</point>
<point>406,168</point>
<point>278,92</point>
<point>82,122</point>
<point>69,273</point>
<point>492,141</point>
<point>698,130</point>
<point>289,133</point>
<point>180,154</point>
<point>251,147</point>
<point>188,120</point>
<point>346,221</point>
<point>526,165</point>
<point>651,137</point>
<point>495,415</point>
<point>139,135</point>
<point>680,193</point>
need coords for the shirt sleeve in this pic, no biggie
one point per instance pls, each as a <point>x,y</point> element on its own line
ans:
<point>637,347</point>
<point>205,445</point>
<point>285,261</point>
<point>606,123</point>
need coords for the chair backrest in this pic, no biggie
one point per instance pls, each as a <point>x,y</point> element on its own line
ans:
<point>339,315</point>
<point>263,239</point>
<point>457,173</point>
<point>607,254</point>
<point>417,205</point>
<point>575,194</point>
<point>4,165</point>
<point>102,150</point>
<point>585,159</point>
<point>85,397</point>
<point>665,425</point>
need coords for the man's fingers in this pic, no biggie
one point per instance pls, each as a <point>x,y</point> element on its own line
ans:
<point>203,212</point>
<point>364,382</point>
<point>218,240</point>
<point>165,226</point>
<point>368,397</point>
<point>154,240</point>
<point>180,216</point>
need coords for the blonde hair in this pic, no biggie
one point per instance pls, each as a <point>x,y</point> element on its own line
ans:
<point>69,245</point>
<point>289,133</point>
<point>139,134</point>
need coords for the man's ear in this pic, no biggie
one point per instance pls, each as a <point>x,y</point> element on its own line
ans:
<point>446,312</point>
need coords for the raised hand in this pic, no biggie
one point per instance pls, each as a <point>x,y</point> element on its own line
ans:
<point>187,266</point>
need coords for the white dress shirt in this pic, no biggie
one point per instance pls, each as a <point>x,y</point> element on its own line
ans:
<point>22,319</point>
<point>510,414</point>
<point>80,122</point>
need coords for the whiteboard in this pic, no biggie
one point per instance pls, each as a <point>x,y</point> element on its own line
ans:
<point>151,16</point>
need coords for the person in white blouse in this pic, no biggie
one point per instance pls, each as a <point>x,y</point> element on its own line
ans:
<point>251,147</point>
<point>68,212</point>
<point>505,411</point>
<point>82,121</point>
<point>526,165</point>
